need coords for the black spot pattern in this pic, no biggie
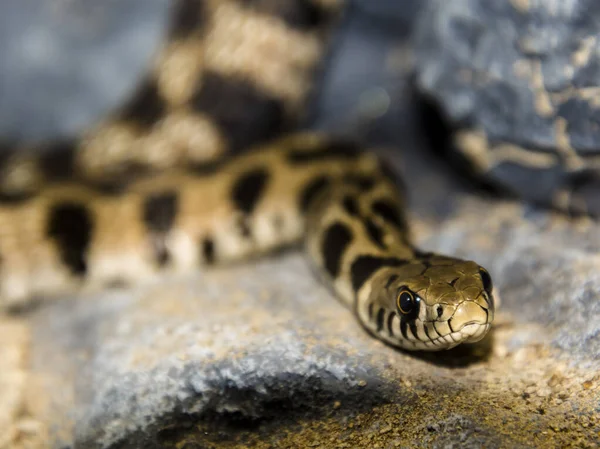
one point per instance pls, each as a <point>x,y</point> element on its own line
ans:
<point>350,205</point>
<point>329,151</point>
<point>427,333</point>
<point>188,17</point>
<point>208,250</point>
<point>336,240</point>
<point>70,225</point>
<point>391,280</point>
<point>404,328</point>
<point>244,114</point>
<point>364,183</point>
<point>312,190</point>
<point>390,322</point>
<point>146,108</point>
<point>389,213</point>
<point>375,233</point>
<point>299,14</point>
<point>58,159</point>
<point>14,198</point>
<point>364,266</point>
<point>248,189</point>
<point>159,211</point>
<point>380,319</point>
<point>413,328</point>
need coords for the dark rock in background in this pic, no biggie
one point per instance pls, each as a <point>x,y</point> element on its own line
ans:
<point>520,81</point>
<point>64,64</point>
<point>261,355</point>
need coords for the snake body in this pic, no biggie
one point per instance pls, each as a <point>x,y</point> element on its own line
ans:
<point>85,229</point>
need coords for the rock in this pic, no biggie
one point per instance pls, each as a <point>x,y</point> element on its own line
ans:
<point>66,64</point>
<point>518,81</point>
<point>365,86</point>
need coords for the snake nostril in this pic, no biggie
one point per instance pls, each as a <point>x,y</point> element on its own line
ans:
<point>440,311</point>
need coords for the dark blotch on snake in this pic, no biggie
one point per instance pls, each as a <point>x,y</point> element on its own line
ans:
<point>380,318</point>
<point>244,114</point>
<point>160,210</point>
<point>208,250</point>
<point>248,189</point>
<point>391,280</point>
<point>404,328</point>
<point>364,183</point>
<point>70,225</point>
<point>336,240</point>
<point>375,233</point>
<point>57,159</point>
<point>389,213</point>
<point>426,332</point>
<point>413,328</point>
<point>146,107</point>
<point>364,266</point>
<point>297,14</point>
<point>390,322</point>
<point>189,16</point>
<point>16,198</point>
<point>312,190</point>
<point>350,205</point>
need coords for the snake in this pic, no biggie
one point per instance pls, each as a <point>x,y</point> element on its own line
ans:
<point>199,169</point>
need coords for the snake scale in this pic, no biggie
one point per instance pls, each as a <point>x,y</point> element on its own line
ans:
<point>164,185</point>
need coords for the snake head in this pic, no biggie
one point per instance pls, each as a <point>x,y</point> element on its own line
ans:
<point>430,304</point>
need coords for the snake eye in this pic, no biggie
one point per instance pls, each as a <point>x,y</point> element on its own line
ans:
<point>486,279</point>
<point>406,301</point>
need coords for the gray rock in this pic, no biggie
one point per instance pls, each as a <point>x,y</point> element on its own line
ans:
<point>519,80</point>
<point>65,64</point>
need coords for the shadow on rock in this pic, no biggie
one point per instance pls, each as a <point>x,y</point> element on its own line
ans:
<point>463,355</point>
<point>264,410</point>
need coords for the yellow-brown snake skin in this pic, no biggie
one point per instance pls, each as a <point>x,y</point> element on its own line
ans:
<point>83,227</point>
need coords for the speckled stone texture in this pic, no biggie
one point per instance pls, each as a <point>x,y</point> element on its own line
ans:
<point>519,80</point>
<point>261,355</point>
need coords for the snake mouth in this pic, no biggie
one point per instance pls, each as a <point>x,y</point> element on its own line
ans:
<point>474,332</point>
<point>470,332</point>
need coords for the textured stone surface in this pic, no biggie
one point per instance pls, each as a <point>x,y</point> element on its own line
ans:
<point>519,79</point>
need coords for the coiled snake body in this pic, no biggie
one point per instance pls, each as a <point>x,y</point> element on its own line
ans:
<point>74,231</point>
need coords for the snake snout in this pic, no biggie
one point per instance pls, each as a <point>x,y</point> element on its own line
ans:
<point>471,320</point>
